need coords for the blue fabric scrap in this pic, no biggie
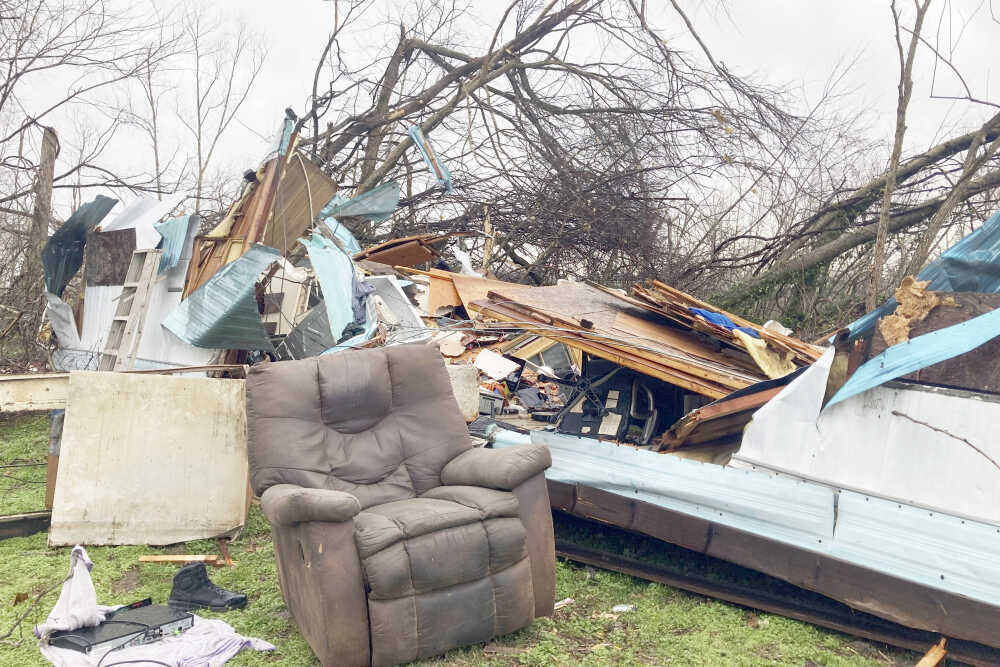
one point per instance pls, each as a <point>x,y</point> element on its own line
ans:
<point>721,320</point>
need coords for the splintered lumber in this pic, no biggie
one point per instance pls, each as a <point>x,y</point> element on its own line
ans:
<point>596,321</point>
<point>934,655</point>
<point>674,305</point>
<point>715,422</point>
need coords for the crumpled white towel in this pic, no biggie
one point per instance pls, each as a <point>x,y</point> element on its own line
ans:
<point>77,604</point>
<point>208,643</point>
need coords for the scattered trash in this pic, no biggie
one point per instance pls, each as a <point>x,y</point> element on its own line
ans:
<point>622,608</point>
<point>565,602</point>
<point>81,633</point>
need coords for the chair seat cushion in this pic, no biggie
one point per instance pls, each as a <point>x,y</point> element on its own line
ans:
<point>450,536</point>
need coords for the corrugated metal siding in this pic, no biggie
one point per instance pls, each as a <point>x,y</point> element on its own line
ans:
<point>928,548</point>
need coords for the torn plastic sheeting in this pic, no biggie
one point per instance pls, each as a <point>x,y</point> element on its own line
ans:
<point>920,352</point>
<point>61,319</point>
<point>436,167</point>
<point>62,255</point>
<point>335,272</point>
<point>971,265</point>
<point>376,205</point>
<point>222,313</point>
<point>174,233</point>
<point>142,215</point>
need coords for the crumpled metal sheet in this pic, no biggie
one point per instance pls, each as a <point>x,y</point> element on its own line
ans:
<point>63,324</point>
<point>174,233</point>
<point>309,338</point>
<point>376,205</point>
<point>971,265</point>
<point>343,234</point>
<point>435,165</point>
<point>62,255</point>
<point>222,313</point>
<point>888,442</point>
<point>933,549</point>
<point>142,214</point>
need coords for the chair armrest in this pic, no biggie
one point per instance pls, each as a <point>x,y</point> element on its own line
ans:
<point>501,469</point>
<point>286,504</point>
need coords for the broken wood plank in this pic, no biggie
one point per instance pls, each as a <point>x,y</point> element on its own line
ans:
<point>22,525</point>
<point>934,655</point>
<point>180,558</point>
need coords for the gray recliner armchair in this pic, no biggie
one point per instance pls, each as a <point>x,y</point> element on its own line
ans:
<point>395,539</point>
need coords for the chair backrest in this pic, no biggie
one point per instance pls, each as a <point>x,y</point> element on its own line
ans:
<point>378,423</point>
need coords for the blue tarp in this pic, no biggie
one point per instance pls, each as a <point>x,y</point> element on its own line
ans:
<point>222,313</point>
<point>721,320</point>
<point>376,205</point>
<point>173,232</point>
<point>335,272</point>
<point>435,165</point>
<point>971,265</point>
<point>921,352</point>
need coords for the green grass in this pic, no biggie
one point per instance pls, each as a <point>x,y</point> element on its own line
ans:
<point>666,626</point>
<point>23,439</point>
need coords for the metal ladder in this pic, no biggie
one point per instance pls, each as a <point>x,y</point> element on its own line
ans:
<point>130,315</point>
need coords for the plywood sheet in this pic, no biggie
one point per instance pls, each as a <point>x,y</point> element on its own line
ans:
<point>150,460</point>
<point>473,288</point>
<point>442,294</point>
<point>303,191</point>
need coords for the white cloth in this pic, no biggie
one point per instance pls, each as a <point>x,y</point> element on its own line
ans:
<point>208,643</point>
<point>77,604</point>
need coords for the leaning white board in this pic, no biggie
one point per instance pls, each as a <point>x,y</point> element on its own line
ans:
<point>150,459</point>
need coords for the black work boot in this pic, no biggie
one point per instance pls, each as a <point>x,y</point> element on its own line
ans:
<point>194,590</point>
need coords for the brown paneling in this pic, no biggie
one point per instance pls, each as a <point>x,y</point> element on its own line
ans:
<point>107,256</point>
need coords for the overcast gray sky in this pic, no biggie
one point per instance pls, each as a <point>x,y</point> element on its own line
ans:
<point>798,44</point>
<point>795,43</point>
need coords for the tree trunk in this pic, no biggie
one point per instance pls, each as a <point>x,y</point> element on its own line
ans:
<point>41,216</point>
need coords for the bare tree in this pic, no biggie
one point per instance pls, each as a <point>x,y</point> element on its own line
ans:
<point>224,67</point>
<point>905,89</point>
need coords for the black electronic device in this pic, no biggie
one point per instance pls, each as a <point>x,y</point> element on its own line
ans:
<point>132,625</point>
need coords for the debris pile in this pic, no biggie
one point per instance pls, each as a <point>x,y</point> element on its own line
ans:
<point>621,385</point>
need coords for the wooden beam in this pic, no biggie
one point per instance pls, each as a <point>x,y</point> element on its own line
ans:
<point>934,655</point>
<point>22,525</point>
<point>36,391</point>
<point>179,558</point>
